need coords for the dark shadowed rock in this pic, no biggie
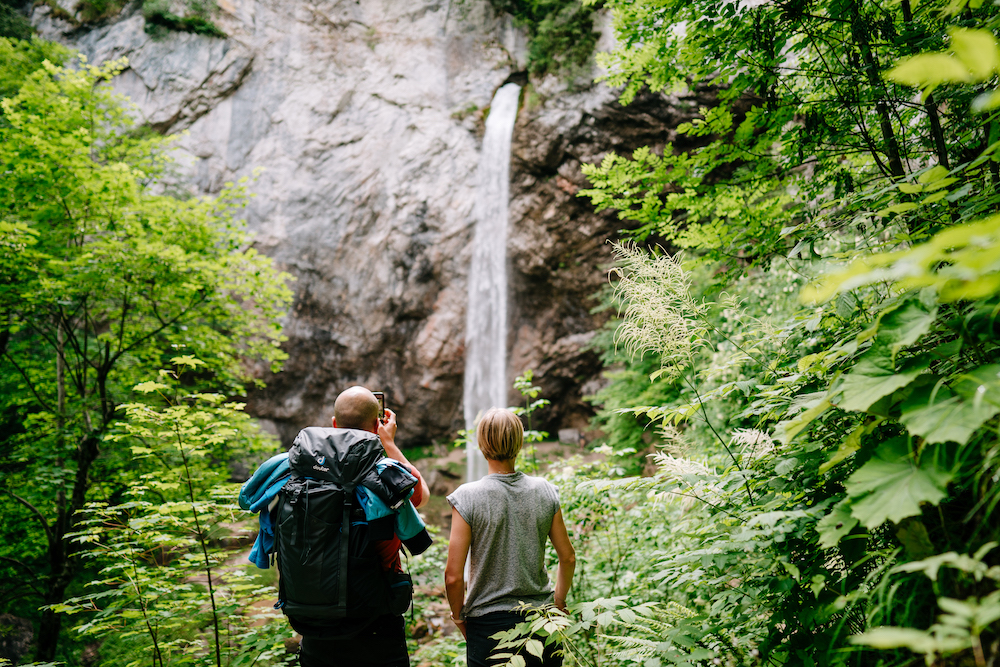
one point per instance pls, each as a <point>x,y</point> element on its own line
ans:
<point>16,635</point>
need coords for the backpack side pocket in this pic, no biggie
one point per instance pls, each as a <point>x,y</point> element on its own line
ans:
<point>400,592</point>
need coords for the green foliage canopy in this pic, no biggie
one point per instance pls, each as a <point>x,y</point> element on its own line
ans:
<point>102,276</point>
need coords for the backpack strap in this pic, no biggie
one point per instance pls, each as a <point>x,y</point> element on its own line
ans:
<point>345,547</point>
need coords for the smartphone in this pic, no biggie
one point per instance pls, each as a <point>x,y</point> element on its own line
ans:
<point>380,397</point>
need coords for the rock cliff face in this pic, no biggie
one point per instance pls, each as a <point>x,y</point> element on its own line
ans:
<point>366,117</point>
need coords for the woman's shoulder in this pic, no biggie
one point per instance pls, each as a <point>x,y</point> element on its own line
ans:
<point>468,491</point>
<point>542,486</point>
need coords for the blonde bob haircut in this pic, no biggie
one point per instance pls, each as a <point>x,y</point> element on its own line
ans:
<point>500,434</point>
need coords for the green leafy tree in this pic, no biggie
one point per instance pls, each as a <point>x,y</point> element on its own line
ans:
<point>805,125</point>
<point>165,584</point>
<point>103,275</point>
<point>21,57</point>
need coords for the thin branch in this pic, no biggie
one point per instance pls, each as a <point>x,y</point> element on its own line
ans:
<point>37,512</point>
<point>31,385</point>
<point>29,582</point>
<point>708,422</point>
<point>137,341</point>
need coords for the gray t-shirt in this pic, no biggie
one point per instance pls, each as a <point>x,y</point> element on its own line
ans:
<point>510,516</point>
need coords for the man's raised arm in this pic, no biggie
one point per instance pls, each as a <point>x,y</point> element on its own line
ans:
<point>387,434</point>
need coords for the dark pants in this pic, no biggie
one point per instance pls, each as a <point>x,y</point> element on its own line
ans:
<point>382,644</point>
<point>479,646</point>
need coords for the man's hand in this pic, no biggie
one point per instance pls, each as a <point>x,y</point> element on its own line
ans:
<point>387,427</point>
<point>387,434</point>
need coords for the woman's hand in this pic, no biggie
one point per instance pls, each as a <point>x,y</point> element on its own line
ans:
<point>460,624</point>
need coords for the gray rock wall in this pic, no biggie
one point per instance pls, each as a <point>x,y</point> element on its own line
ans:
<point>366,116</point>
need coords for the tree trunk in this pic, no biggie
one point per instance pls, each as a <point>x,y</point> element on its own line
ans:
<point>930,106</point>
<point>859,31</point>
<point>51,623</point>
<point>62,566</point>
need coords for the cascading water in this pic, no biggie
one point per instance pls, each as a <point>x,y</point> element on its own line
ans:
<point>486,316</point>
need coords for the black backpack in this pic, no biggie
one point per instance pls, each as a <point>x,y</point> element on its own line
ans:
<point>331,580</point>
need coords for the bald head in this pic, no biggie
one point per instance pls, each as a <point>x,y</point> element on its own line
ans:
<point>356,408</point>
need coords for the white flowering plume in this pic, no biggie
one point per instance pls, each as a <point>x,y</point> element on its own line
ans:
<point>753,443</point>
<point>674,440</point>
<point>659,314</point>
<point>673,466</point>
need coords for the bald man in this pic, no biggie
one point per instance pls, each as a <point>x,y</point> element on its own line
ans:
<point>383,643</point>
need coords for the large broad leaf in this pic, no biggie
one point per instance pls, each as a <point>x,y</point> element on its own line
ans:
<point>892,487</point>
<point>942,416</point>
<point>980,384</point>
<point>834,526</point>
<point>977,49</point>
<point>929,70</point>
<point>874,376</point>
<point>905,325</point>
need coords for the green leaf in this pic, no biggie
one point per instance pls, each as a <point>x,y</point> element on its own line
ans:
<point>792,569</point>
<point>903,326</point>
<point>787,430</point>
<point>897,208</point>
<point>935,197</point>
<point>836,525</point>
<point>933,175</point>
<point>977,49</point>
<point>889,637</point>
<point>535,647</point>
<point>149,387</point>
<point>891,487</point>
<point>187,360</point>
<point>851,444</point>
<point>875,376</point>
<point>929,70</point>
<point>980,384</point>
<point>914,537</point>
<point>942,416</point>
<point>986,102</point>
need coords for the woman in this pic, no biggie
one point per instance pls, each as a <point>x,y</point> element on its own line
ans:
<point>504,520</point>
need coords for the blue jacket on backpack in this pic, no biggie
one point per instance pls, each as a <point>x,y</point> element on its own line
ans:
<point>260,490</point>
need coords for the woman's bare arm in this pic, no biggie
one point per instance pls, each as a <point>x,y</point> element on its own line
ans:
<point>454,570</point>
<point>567,559</point>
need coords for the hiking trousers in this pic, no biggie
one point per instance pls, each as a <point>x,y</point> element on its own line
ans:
<point>381,644</point>
<point>479,646</point>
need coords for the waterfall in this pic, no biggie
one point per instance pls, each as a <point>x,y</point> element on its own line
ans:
<point>486,316</point>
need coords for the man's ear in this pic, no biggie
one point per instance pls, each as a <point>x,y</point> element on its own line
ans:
<point>335,422</point>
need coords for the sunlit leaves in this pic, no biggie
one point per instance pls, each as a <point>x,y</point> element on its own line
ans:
<point>974,56</point>
<point>961,263</point>
<point>836,525</point>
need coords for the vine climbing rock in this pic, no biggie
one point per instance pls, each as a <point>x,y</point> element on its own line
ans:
<point>367,119</point>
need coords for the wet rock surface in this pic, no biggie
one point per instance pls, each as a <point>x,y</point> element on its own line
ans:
<point>366,117</point>
<point>16,636</point>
